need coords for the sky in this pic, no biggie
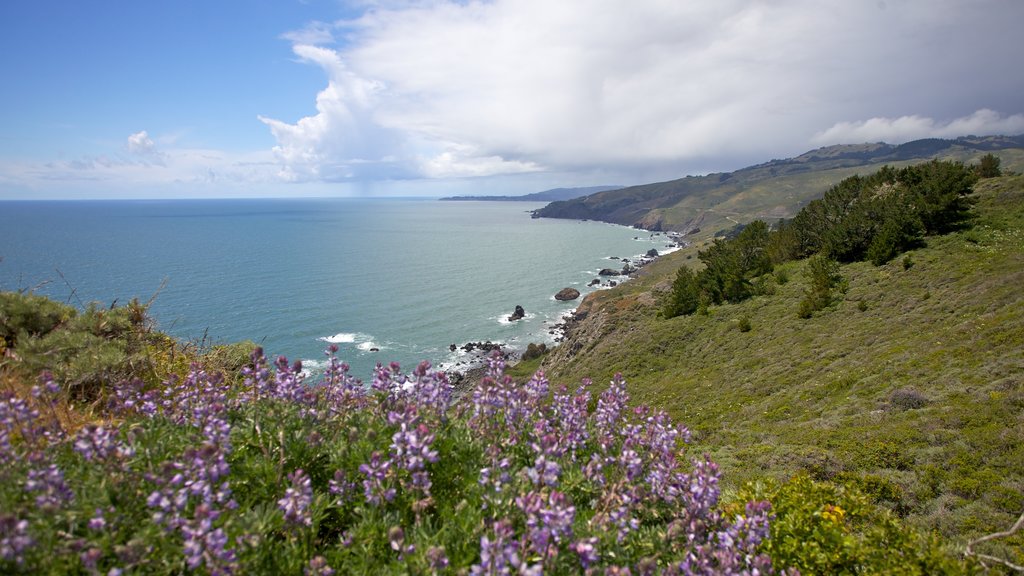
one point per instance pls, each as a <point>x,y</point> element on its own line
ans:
<point>295,98</point>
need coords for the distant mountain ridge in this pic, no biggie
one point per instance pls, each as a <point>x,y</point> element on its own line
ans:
<point>555,194</point>
<point>771,190</point>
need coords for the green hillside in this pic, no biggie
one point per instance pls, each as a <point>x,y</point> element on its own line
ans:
<point>768,191</point>
<point>910,387</point>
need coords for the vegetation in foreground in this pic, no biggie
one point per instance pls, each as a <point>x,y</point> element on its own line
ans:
<point>275,476</point>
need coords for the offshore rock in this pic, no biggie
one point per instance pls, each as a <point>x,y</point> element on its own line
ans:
<point>566,294</point>
<point>518,314</point>
<point>608,272</point>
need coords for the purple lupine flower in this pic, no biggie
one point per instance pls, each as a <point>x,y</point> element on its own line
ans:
<point>396,539</point>
<point>17,418</point>
<point>90,557</point>
<point>376,471</point>
<point>340,486</point>
<point>436,558</point>
<point>544,471</point>
<point>610,406</point>
<point>49,482</point>
<point>586,549</point>
<point>570,412</point>
<point>297,499</point>
<point>206,545</point>
<point>549,520</point>
<point>318,566</point>
<point>97,522</point>
<point>499,555</point>
<point>96,442</point>
<point>14,538</point>
<point>257,376</point>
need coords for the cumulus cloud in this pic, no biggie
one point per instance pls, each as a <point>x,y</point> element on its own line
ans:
<point>441,89</point>
<point>905,128</point>
<point>140,143</point>
<point>342,140</point>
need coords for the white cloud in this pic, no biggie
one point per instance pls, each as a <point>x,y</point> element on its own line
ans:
<point>441,89</point>
<point>905,128</point>
<point>343,140</point>
<point>140,143</point>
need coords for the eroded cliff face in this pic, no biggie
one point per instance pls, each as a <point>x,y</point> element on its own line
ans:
<point>602,317</point>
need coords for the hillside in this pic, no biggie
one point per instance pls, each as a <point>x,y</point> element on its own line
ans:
<point>768,191</point>
<point>911,387</point>
<point>553,195</point>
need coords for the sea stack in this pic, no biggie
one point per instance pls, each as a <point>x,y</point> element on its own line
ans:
<point>566,294</point>
<point>518,314</point>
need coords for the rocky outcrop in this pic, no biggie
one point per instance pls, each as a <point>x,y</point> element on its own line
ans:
<point>518,314</point>
<point>480,346</point>
<point>567,294</point>
<point>608,272</point>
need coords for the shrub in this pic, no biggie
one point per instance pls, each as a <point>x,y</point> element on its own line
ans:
<point>744,323</point>
<point>30,315</point>
<point>833,528</point>
<point>988,167</point>
<point>823,276</point>
<point>907,399</point>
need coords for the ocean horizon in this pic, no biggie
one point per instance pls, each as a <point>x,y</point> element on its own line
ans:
<point>388,279</point>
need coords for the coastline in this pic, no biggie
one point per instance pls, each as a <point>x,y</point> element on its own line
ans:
<point>465,375</point>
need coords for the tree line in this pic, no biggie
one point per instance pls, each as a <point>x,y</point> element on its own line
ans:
<point>873,217</point>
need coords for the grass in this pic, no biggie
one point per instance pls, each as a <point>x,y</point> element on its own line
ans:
<point>822,396</point>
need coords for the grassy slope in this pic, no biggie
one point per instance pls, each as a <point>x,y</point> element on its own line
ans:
<point>815,394</point>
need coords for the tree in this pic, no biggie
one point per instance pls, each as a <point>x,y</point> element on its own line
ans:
<point>823,273</point>
<point>685,296</point>
<point>988,167</point>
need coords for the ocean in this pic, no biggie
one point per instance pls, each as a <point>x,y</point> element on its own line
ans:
<point>385,279</point>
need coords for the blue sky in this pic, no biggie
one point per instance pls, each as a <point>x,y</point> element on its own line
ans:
<point>122,99</point>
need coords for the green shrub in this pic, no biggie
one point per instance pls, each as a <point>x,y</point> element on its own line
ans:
<point>834,528</point>
<point>743,323</point>
<point>823,277</point>
<point>30,314</point>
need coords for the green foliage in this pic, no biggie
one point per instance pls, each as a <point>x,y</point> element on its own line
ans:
<point>878,216</point>
<point>988,167</point>
<point>30,314</point>
<point>685,296</point>
<point>730,266</point>
<point>743,324</point>
<point>823,276</point>
<point>834,528</point>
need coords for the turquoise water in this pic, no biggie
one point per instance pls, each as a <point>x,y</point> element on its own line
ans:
<point>407,277</point>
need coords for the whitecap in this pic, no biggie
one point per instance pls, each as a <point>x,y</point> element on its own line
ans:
<point>367,346</point>
<point>310,367</point>
<point>340,338</point>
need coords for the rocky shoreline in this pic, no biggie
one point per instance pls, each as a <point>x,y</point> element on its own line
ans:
<point>466,373</point>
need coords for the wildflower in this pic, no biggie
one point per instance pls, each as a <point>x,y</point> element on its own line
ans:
<point>297,499</point>
<point>499,555</point>
<point>99,443</point>
<point>97,522</point>
<point>14,539</point>
<point>436,558</point>
<point>376,471</point>
<point>318,566</point>
<point>49,482</point>
<point>586,549</point>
